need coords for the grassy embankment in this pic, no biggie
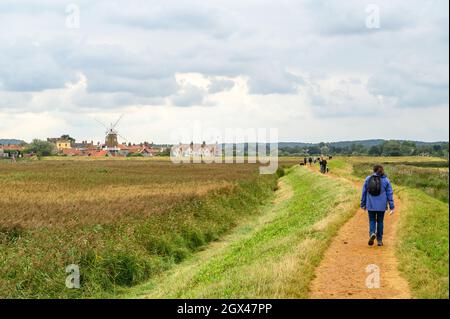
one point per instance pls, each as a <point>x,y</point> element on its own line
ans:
<point>272,256</point>
<point>424,238</point>
<point>121,222</point>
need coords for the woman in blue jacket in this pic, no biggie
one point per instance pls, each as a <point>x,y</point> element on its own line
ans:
<point>377,193</point>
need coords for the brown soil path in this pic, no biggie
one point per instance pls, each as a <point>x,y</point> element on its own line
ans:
<point>342,272</point>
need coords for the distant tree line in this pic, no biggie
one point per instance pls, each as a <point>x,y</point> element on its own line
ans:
<point>386,148</point>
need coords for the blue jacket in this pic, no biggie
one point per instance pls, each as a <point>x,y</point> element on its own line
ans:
<point>380,202</point>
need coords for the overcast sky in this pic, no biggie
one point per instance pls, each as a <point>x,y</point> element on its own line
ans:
<point>316,70</point>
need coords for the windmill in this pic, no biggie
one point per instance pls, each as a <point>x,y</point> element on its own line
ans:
<point>111,134</point>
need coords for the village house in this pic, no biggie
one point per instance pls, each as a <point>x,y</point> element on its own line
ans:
<point>99,153</point>
<point>61,143</point>
<point>83,145</point>
<point>137,150</point>
<point>67,146</point>
<point>195,150</point>
<point>11,150</point>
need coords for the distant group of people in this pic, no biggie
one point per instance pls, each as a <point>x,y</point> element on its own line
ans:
<point>306,160</point>
<point>322,162</point>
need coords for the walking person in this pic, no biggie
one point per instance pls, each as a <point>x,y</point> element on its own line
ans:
<point>323,165</point>
<point>377,193</point>
<point>305,160</point>
<point>310,160</point>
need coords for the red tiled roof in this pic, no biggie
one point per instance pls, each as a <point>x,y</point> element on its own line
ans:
<point>71,151</point>
<point>99,153</point>
<point>12,147</point>
<point>148,150</point>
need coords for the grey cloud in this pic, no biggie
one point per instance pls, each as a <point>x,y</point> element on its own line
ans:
<point>410,89</point>
<point>29,67</point>
<point>220,85</point>
<point>273,79</point>
<point>189,95</point>
<point>101,101</point>
<point>194,16</point>
<point>151,87</point>
<point>132,52</point>
<point>349,98</point>
<point>338,18</point>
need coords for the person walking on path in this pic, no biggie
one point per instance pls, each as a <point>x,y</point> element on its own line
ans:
<point>377,193</point>
<point>310,160</point>
<point>323,165</point>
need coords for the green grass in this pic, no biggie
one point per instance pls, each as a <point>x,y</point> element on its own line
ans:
<point>275,255</point>
<point>424,245</point>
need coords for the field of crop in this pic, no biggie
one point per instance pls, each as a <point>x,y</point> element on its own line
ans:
<point>430,177</point>
<point>121,221</point>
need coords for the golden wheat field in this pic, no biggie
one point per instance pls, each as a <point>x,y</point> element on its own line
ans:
<point>78,193</point>
<point>120,220</point>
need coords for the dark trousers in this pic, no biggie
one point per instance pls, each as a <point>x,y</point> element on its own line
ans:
<point>376,224</point>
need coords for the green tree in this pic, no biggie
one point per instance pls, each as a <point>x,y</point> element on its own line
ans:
<point>376,150</point>
<point>41,148</point>
<point>392,148</point>
<point>68,137</point>
<point>314,150</point>
<point>407,148</point>
<point>325,150</point>
<point>357,149</point>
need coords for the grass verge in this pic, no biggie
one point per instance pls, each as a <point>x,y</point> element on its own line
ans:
<point>423,248</point>
<point>274,255</point>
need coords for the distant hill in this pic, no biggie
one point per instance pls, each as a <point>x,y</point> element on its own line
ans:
<point>11,141</point>
<point>365,143</point>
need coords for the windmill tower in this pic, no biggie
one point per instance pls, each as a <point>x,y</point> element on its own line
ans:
<point>111,141</point>
<point>111,137</point>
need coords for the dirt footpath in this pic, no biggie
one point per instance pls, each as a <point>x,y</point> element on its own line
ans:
<point>349,268</point>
